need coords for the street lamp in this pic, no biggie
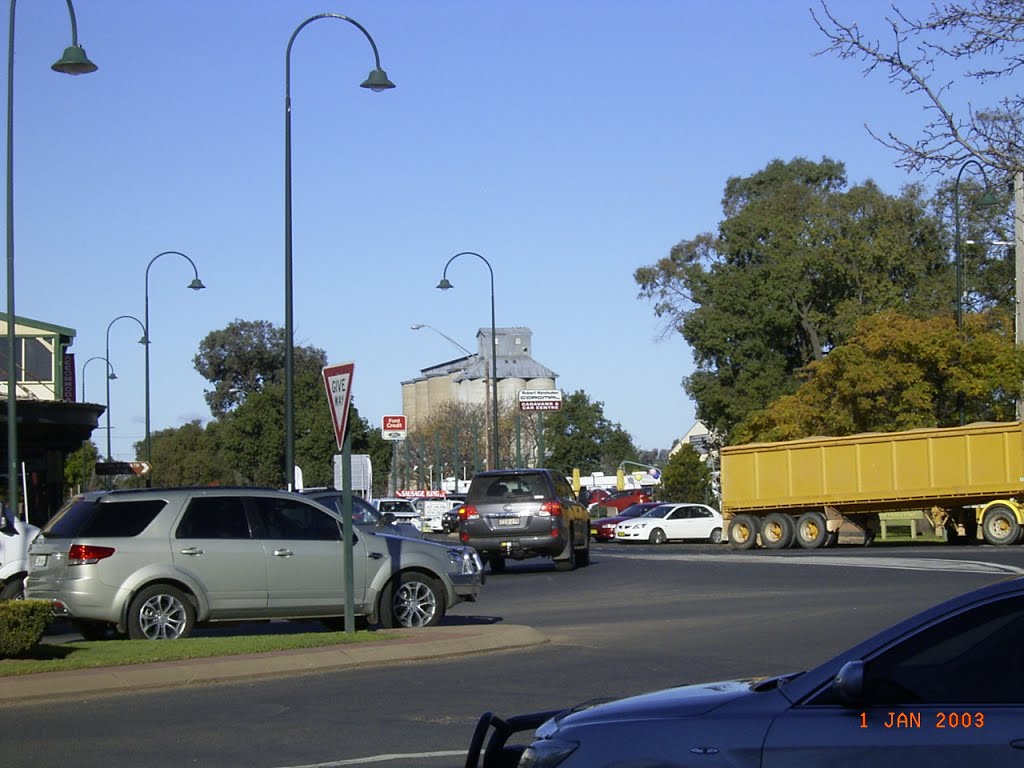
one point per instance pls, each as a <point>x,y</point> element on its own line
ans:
<point>376,81</point>
<point>195,285</point>
<point>143,340</point>
<point>987,200</point>
<point>444,285</point>
<point>110,375</point>
<point>73,62</point>
<point>418,326</point>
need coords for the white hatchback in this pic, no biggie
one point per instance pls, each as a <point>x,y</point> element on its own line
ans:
<point>668,522</point>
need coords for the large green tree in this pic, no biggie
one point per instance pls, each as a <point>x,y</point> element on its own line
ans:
<point>580,436</point>
<point>898,372</point>
<point>685,477</point>
<point>798,259</point>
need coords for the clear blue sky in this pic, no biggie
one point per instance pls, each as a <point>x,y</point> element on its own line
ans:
<point>568,141</point>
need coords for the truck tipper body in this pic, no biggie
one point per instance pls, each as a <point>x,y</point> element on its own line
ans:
<point>966,479</point>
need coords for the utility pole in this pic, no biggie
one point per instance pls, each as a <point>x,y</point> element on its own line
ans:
<point>1018,268</point>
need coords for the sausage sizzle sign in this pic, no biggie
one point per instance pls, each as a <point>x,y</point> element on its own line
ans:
<point>338,381</point>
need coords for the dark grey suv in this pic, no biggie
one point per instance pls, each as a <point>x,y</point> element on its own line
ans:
<point>154,563</point>
<point>521,513</point>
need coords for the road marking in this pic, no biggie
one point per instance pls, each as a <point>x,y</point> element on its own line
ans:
<point>896,563</point>
<point>370,759</point>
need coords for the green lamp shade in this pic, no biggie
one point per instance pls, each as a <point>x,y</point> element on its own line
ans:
<point>444,285</point>
<point>987,200</point>
<point>74,62</point>
<point>196,285</point>
<point>377,81</point>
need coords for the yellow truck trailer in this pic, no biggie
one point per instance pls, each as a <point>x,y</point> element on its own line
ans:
<point>966,479</point>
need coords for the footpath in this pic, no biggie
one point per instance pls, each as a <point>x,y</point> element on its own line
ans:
<point>411,645</point>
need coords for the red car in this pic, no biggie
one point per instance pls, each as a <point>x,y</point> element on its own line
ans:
<point>604,529</point>
<point>622,499</point>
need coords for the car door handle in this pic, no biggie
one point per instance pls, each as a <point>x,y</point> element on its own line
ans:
<point>283,553</point>
<point>374,555</point>
<point>192,551</point>
<point>1017,743</point>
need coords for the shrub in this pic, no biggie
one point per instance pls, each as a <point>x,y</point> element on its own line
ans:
<point>22,623</point>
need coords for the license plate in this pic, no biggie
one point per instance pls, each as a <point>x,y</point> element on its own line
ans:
<point>508,521</point>
<point>620,533</point>
<point>39,561</point>
<point>593,531</point>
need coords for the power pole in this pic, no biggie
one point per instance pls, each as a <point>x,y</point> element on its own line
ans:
<point>1018,250</point>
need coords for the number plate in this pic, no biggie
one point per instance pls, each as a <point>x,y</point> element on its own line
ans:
<point>508,521</point>
<point>39,561</point>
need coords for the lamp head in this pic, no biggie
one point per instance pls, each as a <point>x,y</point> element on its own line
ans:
<point>377,81</point>
<point>987,200</point>
<point>144,339</point>
<point>444,285</point>
<point>111,375</point>
<point>74,62</point>
<point>196,285</point>
<point>416,326</point>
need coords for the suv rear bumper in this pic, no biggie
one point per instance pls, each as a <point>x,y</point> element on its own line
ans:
<point>518,547</point>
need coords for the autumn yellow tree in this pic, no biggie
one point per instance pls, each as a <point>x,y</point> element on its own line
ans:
<point>898,372</point>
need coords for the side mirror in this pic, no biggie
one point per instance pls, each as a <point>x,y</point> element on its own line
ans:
<point>388,518</point>
<point>848,684</point>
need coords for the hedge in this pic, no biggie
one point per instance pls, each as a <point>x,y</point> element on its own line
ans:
<point>22,623</point>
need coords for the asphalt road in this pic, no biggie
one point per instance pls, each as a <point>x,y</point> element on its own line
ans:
<point>637,619</point>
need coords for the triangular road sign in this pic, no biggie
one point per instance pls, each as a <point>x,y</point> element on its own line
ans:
<point>338,381</point>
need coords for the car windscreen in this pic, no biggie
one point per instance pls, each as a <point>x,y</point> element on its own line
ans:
<point>83,518</point>
<point>659,511</point>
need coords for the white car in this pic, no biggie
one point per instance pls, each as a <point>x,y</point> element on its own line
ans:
<point>403,510</point>
<point>668,522</point>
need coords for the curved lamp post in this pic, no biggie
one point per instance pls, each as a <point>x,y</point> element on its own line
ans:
<point>73,62</point>
<point>444,285</point>
<point>143,340</point>
<point>376,81</point>
<point>110,375</point>
<point>418,326</point>
<point>195,285</point>
<point>987,201</point>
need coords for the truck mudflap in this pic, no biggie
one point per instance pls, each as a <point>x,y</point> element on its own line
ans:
<point>498,753</point>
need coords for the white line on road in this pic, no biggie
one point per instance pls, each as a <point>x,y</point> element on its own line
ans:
<point>370,759</point>
<point>898,563</point>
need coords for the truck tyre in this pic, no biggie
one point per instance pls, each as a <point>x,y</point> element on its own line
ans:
<point>13,589</point>
<point>1000,526</point>
<point>811,531</point>
<point>743,532</point>
<point>777,531</point>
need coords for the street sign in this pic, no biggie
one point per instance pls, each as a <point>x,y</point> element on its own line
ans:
<point>122,467</point>
<point>338,382</point>
<point>540,399</point>
<point>393,427</point>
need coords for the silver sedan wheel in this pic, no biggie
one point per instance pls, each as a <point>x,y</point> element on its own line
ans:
<point>415,604</point>
<point>163,617</point>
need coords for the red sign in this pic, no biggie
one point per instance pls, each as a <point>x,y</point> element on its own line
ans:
<point>338,381</point>
<point>393,423</point>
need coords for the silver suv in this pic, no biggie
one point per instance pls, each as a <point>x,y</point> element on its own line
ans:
<point>153,563</point>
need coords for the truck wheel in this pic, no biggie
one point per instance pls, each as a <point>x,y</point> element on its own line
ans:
<point>13,590</point>
<point>777,531</point>
<point>811,531</point>
<point>657,536</point>
<point>1000,526</point>
<point>743,532</point>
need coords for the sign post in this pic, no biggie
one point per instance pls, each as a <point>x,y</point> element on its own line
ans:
<point>338,382</point>
<point>395,429</point>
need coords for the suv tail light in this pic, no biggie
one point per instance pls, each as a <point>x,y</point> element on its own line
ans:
<point>550,509</point>
<point>85,554</point>
<point>468,513</point>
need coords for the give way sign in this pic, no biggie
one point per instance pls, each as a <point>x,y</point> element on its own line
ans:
<point>338,381</point>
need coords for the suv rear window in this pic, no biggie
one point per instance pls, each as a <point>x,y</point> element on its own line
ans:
<point>97,519</point>
<point>484,489</point>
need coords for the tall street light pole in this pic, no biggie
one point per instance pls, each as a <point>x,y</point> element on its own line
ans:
<point>110,375</point>
<point>376,81</point>
<point>195,285</point>
<point>143,340</point>
<point>987,200</point>
<point>418,326</point>
<point>444,285</point>
<point>73,62</point>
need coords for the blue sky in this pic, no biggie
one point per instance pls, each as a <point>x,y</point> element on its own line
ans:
<point>567,141</point>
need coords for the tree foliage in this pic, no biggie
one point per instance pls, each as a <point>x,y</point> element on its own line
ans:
<point>897,373</point>
<point>798,259</point>
<point>685,477</point>
<point>579,436</point>
<point>982,38</point>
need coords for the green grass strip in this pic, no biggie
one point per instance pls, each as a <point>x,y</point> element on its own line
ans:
<point>63,657</point>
